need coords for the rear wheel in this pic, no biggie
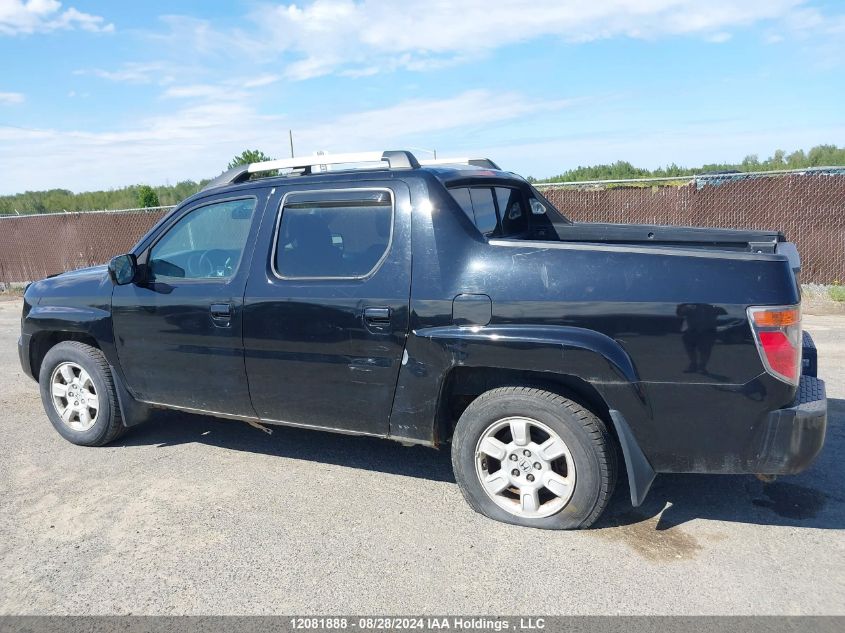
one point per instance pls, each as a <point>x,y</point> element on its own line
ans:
<point>78,394</point>
<point>531,457</point>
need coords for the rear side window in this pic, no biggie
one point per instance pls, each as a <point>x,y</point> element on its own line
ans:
<point>495,211</point>
<point>333,234</point>
<point>461,196</point>
<point>484,208</point>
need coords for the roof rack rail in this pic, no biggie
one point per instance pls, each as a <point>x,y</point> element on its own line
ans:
<point>398,159</point>
<point>475,162</point>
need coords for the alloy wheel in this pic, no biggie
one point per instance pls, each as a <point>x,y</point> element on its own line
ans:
<point>74,396</point>
<point>525,467</point>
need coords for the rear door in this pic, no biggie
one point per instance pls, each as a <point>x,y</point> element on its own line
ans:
<point>326,306</point>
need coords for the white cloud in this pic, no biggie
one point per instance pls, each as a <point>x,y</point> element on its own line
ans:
<point>822,35</point>
<point>261,80</point>
<point>130,72</point>
<point>198,140</point>
<point>39,16</point>
<point>388,126</point>
<point>11,98</point>
<point>231,89</point>
<point>360,38</point>
<point>190,37</point>
<point>718,38</point>
<point>201,91</point>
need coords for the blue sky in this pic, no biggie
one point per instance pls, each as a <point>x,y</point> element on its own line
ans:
<point>103,94</point>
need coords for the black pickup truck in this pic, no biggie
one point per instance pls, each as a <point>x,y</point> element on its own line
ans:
<point>443,302</point>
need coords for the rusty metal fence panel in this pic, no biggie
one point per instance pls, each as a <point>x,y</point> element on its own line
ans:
<point>34,246</point>
<point>808,206</point>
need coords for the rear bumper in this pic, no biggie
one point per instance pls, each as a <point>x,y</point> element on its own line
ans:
<point>794,436</point>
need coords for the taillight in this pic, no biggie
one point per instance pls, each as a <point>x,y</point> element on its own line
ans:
<point>777,333</point>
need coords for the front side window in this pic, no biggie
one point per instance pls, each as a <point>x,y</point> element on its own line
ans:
<point>333,234</point>
<point>207,243</point>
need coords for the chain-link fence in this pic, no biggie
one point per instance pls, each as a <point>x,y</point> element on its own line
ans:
<point>34,246</point>
<point>808,206</point>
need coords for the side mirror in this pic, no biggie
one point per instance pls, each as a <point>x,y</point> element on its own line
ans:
<point>122,269</point>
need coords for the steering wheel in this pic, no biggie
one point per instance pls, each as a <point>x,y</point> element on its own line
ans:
<point>209,268</point>
<point>195,266</point>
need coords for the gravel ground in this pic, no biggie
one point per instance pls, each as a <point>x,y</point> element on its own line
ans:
<point>817,299</point>
<point>192,515</point>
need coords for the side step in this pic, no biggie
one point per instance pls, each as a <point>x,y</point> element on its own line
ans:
<point>809,357</point>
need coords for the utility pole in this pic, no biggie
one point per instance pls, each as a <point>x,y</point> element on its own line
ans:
<point>425,149</point>
<point>290,136</point>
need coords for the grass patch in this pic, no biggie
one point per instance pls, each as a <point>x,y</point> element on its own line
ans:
<point>837,293</point>
<point>11,291</point>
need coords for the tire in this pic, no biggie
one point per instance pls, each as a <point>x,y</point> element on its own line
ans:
<point>85,375</point>
<point>580,472</point>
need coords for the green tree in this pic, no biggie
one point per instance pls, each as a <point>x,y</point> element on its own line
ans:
<point>777,161</point>
<point>249,156</point>
<point>147,197</point>
<point>751,163</point>
<point>818,156</point>
<point>823,155</point>
<point>58,200</point>
<point>796,160</point>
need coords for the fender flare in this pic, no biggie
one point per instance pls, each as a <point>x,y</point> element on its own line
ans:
<point>595,358</point>
<point>96,324</point>
<point>67,322</point>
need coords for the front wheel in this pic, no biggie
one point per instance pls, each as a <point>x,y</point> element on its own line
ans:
<point>78,394</point>
<point>534,458</point>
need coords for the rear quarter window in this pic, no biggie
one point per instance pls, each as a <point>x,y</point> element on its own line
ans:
<point>512,211</point>
<point>495,211</point>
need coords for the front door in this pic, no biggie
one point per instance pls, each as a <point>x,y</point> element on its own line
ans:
<point>326,306</point>
<point>178,332</point>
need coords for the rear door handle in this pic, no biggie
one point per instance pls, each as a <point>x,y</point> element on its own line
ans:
<point>377,315</point>
<point>221,313</point>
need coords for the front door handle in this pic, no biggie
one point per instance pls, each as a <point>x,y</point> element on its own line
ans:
<point>221,313</point>
<point>377,315</point>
